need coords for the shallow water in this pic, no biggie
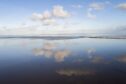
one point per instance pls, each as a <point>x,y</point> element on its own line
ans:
<point>63,61</point>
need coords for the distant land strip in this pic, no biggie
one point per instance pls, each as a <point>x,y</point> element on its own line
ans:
<point>62,37</point>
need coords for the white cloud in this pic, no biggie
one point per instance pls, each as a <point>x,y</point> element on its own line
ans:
<point>45,18</point>
<point>122,6</point>
<point>58,11</point>
<point>90,14</point>
<point>77,6</point>
<point>50,17</point>
<point>97,6</point>
<point>46,15</point>
<point>36,16</point>
<point>49,22</point>
<point>46,27</point>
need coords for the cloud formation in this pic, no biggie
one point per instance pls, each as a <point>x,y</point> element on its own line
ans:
<point>50,17</point>
<point>58,11</point>
<point>45,15</point>
<point>97,6</point>
<point>90,14</point>
<point>49,22</point>
<point>36,16</point>
<point>77,6</point>
<point>122,6</point>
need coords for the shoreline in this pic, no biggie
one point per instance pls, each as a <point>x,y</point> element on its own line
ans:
<point>62,37</point>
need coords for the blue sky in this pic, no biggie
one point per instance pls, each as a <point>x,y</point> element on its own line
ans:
<point>55,16</point>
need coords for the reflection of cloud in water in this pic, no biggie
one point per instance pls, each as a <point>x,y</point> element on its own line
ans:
<point>121,58</point>
<point>49,46</point>
<point>97,59</point>
<point>38,52</point>
<point>49,52</point>
<point>46,50</point>
<point>42,52</point>
<point>80,60</point>
<point>75,72</point>
<point>60,55</point>
<point>91,52</point>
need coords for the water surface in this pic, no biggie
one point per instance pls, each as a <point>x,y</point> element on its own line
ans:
<point>63,61</point>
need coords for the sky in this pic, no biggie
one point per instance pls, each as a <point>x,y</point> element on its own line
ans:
<point>38,17</point>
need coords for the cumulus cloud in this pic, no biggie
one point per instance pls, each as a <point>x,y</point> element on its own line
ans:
<point>96,7</point>
<point>36,16</point>
<point>45,18</point>
<point>122,6</point>
<point>49,22</point>
<point>50,17</point>
<point>46,15</point>
<point>58,11</point>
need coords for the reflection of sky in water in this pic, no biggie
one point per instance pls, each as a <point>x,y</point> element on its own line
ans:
<point>42,60</point>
